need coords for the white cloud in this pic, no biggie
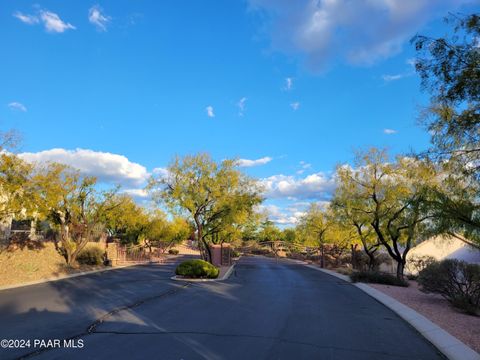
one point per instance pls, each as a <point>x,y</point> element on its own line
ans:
<point>316,186</point>
<point>288,83</point>
<point>160,171</point>
<point>53,23</point>
<point>280,215</point>
<point>107,167</point>
<point>98,18</point>
<point>50,20</point>
<point>389,131</point>
<point>357,31</point>
<point>295,105</point>
<point>25,18</point>
<point>304,166</point>
<point>394,77</point>
<point>17,106</point>
<point>137,193</point>
<point>257,162</point>
<point>209,110</point>
<point>241,106</point>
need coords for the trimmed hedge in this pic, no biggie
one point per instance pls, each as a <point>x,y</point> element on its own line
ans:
<point>377,277</point>
<point>91,255</point>
<point>197,269</point>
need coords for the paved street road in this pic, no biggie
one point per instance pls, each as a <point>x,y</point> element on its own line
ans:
<point>266,310</point>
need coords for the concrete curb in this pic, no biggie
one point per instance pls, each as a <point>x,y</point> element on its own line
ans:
<point>42,281</point>
<point>224,277</point>
<point>447,344</point>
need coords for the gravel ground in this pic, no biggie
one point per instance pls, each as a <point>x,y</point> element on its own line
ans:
<point>26,265</point>
<point>464,327</point>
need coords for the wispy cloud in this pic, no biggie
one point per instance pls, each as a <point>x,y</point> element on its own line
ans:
<point>97,17</point>
<point>25,18</point>
<point>288,84</point>
<point>394,77</point>
<point>389,131</point>
<point>295,105</point>
<point>17,106</point>
<point>304,166</point>
<point>407,73</point>
<point>209,110</point>
<point>241,106</point>
<point>356,31</point>
<point>53,23</point>
<point>50,21</point>
<point>257,162</point>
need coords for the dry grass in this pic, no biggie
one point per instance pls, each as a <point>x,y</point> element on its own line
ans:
<point>437,309</point>
<point>26,265</point>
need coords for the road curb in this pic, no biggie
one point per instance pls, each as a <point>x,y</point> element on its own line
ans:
<point>224,277</point>
<point>43,281</point>
<point>446,343</point>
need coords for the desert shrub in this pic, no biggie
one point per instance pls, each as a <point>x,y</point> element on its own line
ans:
<point>235,254</point>
<point>457,281</point>
<point>173,251</point>
<point>197,269</point>
<point>412,277</point>
<point>91,255</point>
<point>377,277</point>
<point>344,271</point>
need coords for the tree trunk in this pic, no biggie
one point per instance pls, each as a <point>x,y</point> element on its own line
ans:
<point>372,264</point>
<point>208,252</point>
<point>322,256</point>
<point>400,269</point>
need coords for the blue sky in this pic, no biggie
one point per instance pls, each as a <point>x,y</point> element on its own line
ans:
<point>117,88</point>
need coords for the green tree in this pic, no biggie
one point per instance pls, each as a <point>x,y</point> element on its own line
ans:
<point>164,234</point>
<point>450,71</point>
<point>393,197</point>
<point>16,186</point>
<point>315,224</point>
<point>212,194</point>
<point>126,220</point>
<point>75,207</point>
<point>349,210</point>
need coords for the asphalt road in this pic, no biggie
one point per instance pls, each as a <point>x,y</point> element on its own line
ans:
<point>266,310</point>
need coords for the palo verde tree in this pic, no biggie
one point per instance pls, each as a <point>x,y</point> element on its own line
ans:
<point>126,220</point>
<point>17,190</point>
<point>210,193</point>
<point>314,226</point>
<point>74,206</point>
<point>392,197</point>
<point>163,233</point>
<point>450,71</point>
<point>349,210</point>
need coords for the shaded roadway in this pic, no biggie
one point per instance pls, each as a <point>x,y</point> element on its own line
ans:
<point>266,310</point>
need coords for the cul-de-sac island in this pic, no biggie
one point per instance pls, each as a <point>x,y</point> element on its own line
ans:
<point>247,179</point>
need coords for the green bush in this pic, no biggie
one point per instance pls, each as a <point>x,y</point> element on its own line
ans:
<point>235,254</point>
<point>457,281</point>
<point>91,255</point>
<point>197,269</point>
<point>377,277</point>
<point>173,251</point>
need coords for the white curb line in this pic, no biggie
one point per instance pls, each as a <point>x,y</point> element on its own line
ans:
<point>447,344</point>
